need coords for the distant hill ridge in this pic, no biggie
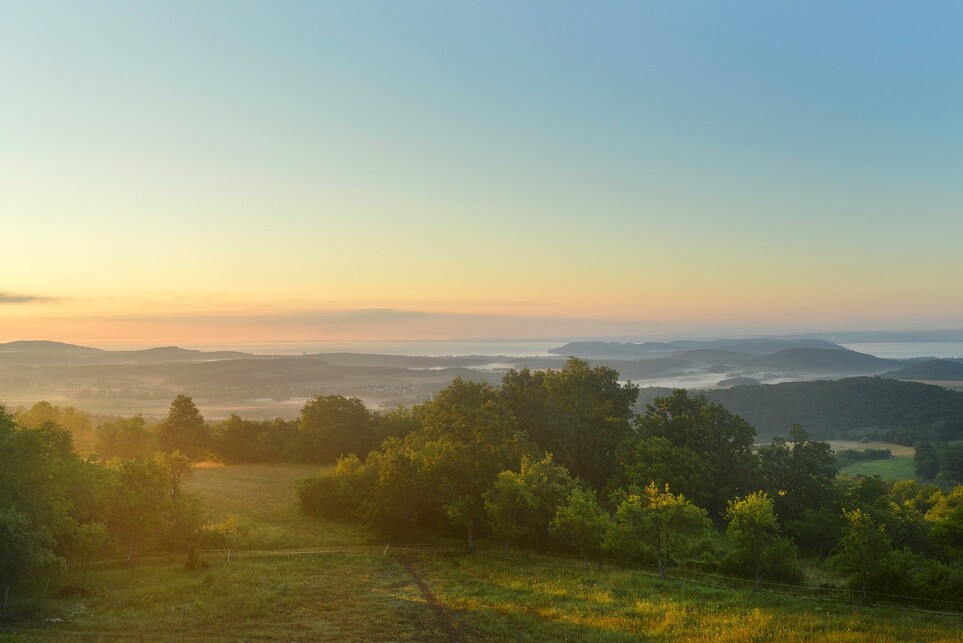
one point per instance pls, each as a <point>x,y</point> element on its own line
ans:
<point>628,350</point>
<point>936,370</point>
<point>42,351</point>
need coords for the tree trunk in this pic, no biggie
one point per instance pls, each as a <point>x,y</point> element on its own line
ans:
<point>130,552</point>
<point>471,537</point>
<point>756,585</point>
<point>662,566</point>
<point>6,596</point>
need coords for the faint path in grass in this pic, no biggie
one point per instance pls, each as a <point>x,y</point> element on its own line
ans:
<point>444,620</point>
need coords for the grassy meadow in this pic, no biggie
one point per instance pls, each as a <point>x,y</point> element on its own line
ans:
<point>328,581</point>
<point>900,467</point>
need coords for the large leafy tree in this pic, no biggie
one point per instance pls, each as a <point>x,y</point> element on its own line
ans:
<point>40,475</point>
<point>579,414</point>
<point>332,426</point>
<point>184,429</point>
<point>657,523</point>
<point>798,474</point>
<point>468,436</point>
<point>698,448</point>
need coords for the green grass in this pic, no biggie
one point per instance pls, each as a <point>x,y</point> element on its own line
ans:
<point>538,600</point>
<point>293,598</point>
<point>898,468</point>
<point>261,501</point>
<point>356,594</point>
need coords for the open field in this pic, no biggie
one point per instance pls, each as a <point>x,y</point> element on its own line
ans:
<point>262,501</point>
<point>899,468</point>
<point>346,589</point>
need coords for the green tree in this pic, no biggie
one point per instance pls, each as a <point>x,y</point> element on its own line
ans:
<point>136,501</point>
<point>862,549</point>
<point>798,474</point>
<point>236,440</point>
<point>927,465</point>
<point>660,524</point>
<point>694,446</point>
<point>468,436</point>
<point>755,547</point>
<point>400,498</point>
<point>578,413</point>
<point>332,426</point>
<point>40,475</point>
<point>187,523</point>
<point>521,505</point>
<point>177,468</point>
<point>25,548</point>
<point>184,429</point>
<point>123,438</point>
<point>581,523</point>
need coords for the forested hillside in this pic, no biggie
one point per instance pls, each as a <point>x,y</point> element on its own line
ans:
<point>895,411</point>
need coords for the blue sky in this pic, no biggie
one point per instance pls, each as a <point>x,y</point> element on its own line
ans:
<point>567,168</point>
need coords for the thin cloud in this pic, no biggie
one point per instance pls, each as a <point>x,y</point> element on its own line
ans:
<point>10,298</point>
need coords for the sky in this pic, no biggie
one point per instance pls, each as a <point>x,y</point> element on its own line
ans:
<point>210,172</point>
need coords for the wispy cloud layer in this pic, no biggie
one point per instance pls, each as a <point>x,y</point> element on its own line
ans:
<point>11,298</point>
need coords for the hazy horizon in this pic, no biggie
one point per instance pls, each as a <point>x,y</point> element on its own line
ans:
<point>196,174</point>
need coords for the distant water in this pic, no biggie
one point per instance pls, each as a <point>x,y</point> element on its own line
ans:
<point>508,348</point>
<point>904,350</point>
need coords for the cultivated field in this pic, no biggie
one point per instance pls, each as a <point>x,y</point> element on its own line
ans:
<point>295,578</point>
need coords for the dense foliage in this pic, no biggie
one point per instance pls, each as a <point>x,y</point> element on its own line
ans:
<point>856,407</point>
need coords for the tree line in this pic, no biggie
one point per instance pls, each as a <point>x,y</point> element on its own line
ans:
<point>559,459</point>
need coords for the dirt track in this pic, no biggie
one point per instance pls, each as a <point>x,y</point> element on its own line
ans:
<point>444,620</point>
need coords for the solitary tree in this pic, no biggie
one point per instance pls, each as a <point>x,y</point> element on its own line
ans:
<point>183,429</point>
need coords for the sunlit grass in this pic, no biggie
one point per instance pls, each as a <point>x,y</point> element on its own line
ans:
<point>358,594</point>
<point>538,600</point>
